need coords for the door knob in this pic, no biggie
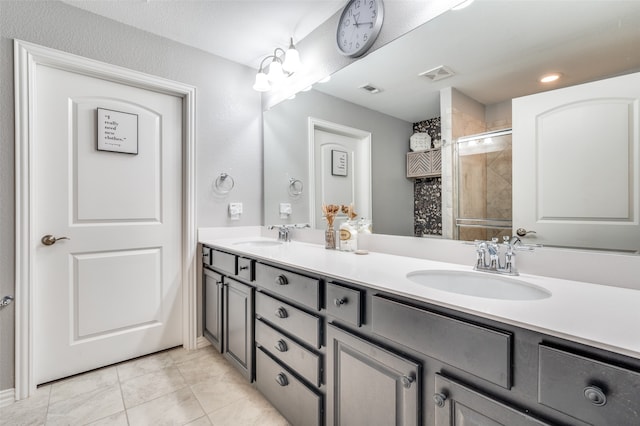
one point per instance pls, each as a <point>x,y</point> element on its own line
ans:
<point>521,232</point>
<point>49,240</point>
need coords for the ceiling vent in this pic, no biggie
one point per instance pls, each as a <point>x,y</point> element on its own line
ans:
<point>369,88</point>
<point>438,73</point>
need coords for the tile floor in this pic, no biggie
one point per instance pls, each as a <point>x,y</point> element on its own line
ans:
<point>173,387</point>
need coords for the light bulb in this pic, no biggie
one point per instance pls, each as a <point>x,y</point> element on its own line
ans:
<point>262,82</point>
<point>275,71</point>
<point>291,62</point>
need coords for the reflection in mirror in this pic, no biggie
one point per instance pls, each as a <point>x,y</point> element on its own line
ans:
<point>452,77</point>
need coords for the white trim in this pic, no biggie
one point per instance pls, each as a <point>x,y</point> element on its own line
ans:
<point>328,126</point>
<point>26,57</point>
<point>7,397</point>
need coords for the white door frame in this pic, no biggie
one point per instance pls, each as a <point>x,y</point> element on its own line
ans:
<point>327,126</point>
<point>26,58</point>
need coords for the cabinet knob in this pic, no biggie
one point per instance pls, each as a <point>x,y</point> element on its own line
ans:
<point>407,381</point>
<point>440,399</point>
<point>282,380</point>
<point>595,395</point>
<point>281,345</point>
<point>282,280</point>
<point>282,313</point>
<point>341,301</point>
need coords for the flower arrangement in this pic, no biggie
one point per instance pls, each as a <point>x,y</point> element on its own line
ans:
<point>330,211</point>
<point>348,210</point>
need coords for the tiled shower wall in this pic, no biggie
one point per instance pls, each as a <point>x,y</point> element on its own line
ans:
<point>427,192</point>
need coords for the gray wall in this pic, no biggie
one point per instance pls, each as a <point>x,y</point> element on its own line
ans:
<point>286,155</point>
<point>228,121</point>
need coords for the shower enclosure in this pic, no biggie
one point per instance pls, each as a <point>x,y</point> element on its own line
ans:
<point>483,186</point>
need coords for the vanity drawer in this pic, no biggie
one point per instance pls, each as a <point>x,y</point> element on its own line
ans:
<point>222,261</point>
<point>302,289</point>
<point>481,351</point>
<point>305,362</point>
<point>245,268</point>
<point>288,318</point>
<point>344,303</point>
<point>299,404</point>
<point>587,389</point>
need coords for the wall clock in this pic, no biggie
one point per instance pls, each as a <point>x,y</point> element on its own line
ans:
<point>359,26</point>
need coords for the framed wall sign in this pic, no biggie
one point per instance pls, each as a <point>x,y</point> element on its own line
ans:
<point>339,161</point>
<point>117,131</point>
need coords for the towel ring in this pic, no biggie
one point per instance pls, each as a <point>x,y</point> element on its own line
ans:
<point>295,187</point>
<point>224,183</point>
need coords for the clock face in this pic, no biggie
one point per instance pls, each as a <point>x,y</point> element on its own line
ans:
<point>359,26</point>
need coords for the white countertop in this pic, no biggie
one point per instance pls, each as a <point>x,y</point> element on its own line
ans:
<point>601,316</point>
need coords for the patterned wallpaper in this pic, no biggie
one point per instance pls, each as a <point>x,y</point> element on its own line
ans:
<point>427,192</point>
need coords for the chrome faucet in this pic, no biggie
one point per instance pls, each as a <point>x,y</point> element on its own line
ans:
<point>284,231</point>
<point>492,250</point>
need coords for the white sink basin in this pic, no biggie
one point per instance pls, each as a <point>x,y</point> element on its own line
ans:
<point>479,284</point>
<point>259,243</point>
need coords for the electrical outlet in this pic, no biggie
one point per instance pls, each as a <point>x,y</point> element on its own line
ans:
<point>235,210</point>
<point>285,210</point>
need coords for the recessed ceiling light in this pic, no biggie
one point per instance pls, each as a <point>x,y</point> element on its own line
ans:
<point>549,78</point>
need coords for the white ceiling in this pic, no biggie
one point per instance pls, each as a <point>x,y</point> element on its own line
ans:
<point>497,48</point>
<point>244,31</point>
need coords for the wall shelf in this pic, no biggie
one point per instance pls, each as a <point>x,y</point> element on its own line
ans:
<point>424,163</point>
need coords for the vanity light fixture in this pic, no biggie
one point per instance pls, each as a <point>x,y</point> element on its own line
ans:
<point>550,78</point>
<point>283,64</point>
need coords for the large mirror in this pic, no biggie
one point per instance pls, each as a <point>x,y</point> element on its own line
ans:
<point>487,54</point>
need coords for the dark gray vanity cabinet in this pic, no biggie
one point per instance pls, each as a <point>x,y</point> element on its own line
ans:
<point>328,352</point>
<point>457,404</point>
<point>370,385</point>
<point>588,389</point>
<point>289,339</point>
<point>228,307</point>
<point>212,312</point>
<point>238,325</point>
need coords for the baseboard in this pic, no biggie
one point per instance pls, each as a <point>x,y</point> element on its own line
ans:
<point>202,342</point>
<point>7,397</point>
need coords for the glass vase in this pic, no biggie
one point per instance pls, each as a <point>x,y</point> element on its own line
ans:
<point>330,238</point>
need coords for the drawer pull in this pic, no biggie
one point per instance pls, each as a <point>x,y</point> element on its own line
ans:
<point>595,395</point>
<point>282,380</point>
<point>407,381</point>
<point>282,313</point>
<point>282,280</point>
<point>244,268</point>
<point>281,345</point>
<point>341,301</point>
<point>440,399</point>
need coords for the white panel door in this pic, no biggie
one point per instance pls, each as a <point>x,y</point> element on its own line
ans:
<point>576,165</point>
<point>349,185</point>
<point>112,290</point>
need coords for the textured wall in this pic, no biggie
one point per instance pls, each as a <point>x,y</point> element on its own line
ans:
<point>228,120</point>
<point>427,192</point>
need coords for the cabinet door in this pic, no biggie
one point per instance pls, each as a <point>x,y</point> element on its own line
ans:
<point>456,404</point>
<point>238,326</point>
<point>369,385</point>
<point>212,311</point>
